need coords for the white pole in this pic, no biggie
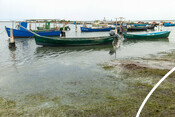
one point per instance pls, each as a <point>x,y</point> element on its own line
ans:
<point>30,26</point>
<point>161,27</point>
<point>35,25</point>
<point>116,27</point>
<point>75,26</point>
<point>64,27</point>
<point>121,24</point>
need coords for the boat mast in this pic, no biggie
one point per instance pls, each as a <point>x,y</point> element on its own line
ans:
<point>121,24</point>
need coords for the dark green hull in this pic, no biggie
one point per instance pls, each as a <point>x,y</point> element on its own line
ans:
<point>157,35</point>
<point>80,41</point>
<point>66,28</point>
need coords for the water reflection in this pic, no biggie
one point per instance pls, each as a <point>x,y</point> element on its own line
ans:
<point>42,51</point>
<point>13,57</point>
<point>128,41</point>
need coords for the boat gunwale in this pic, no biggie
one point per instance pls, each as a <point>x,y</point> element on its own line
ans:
<point>76,38</point>
<point>149,34</point>
<point>36,31</point>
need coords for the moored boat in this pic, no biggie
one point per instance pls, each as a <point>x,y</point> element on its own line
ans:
<point>141,24</point>
<point>156,35</point>
<point>138,28</point>
<point>23,33</point>
<point>84,29</point>
<point>76,41</point>
<point>151,26</point>
<point>168,24</point>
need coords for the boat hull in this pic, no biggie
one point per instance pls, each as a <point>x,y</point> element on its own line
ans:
<point>168,24</point>
<point>24,33</point>
<point>50,41</point>
<point>83,29</point>
<point>140,28</point>
<point>157,35</point>
<point>141,24</point>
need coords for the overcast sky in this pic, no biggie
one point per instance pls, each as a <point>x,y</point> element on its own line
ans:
<point>87,9</point>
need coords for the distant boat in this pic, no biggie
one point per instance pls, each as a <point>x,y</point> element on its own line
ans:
<point>168,24</point>
<point>151,26</point>
<point>141,24</point>
<point>156,35</point>
<point>84,29</point>
<point>138,28</point>
<point>76,23</point>
<point>117,24</point>
<point>23,33</point>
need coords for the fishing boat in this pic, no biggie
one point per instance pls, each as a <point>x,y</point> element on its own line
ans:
<point>75,23</point>
<point>156,35</point>
<point>151,26</point>
<point>84,29</point>
<point>140,25</point>
<point>137,28</point>
<point>168,24</point>
<point>47,27</point>
<point>76,41</point>
<point>23,33</point>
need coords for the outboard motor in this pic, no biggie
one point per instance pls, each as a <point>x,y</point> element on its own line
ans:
<point>112,33</point>
<point>63,34</point>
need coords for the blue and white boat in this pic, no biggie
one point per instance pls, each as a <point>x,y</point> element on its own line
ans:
<point>19,33</point>
<point>155,35</point>
<point>168,24</point>
<point>84,29</point>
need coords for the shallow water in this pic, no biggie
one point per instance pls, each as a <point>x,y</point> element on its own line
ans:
<point>72,73</point>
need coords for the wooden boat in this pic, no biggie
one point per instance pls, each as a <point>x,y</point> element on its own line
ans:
<point>47,27</point>
<point>140,25</point>
<point>77,41</point>
<point>151,26</point>
<point>156,35</point>
<point>23,33</point>
<point>75,23</point>
<point>168,24</point>
<point>84,29</point>
<point>138,28</point>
